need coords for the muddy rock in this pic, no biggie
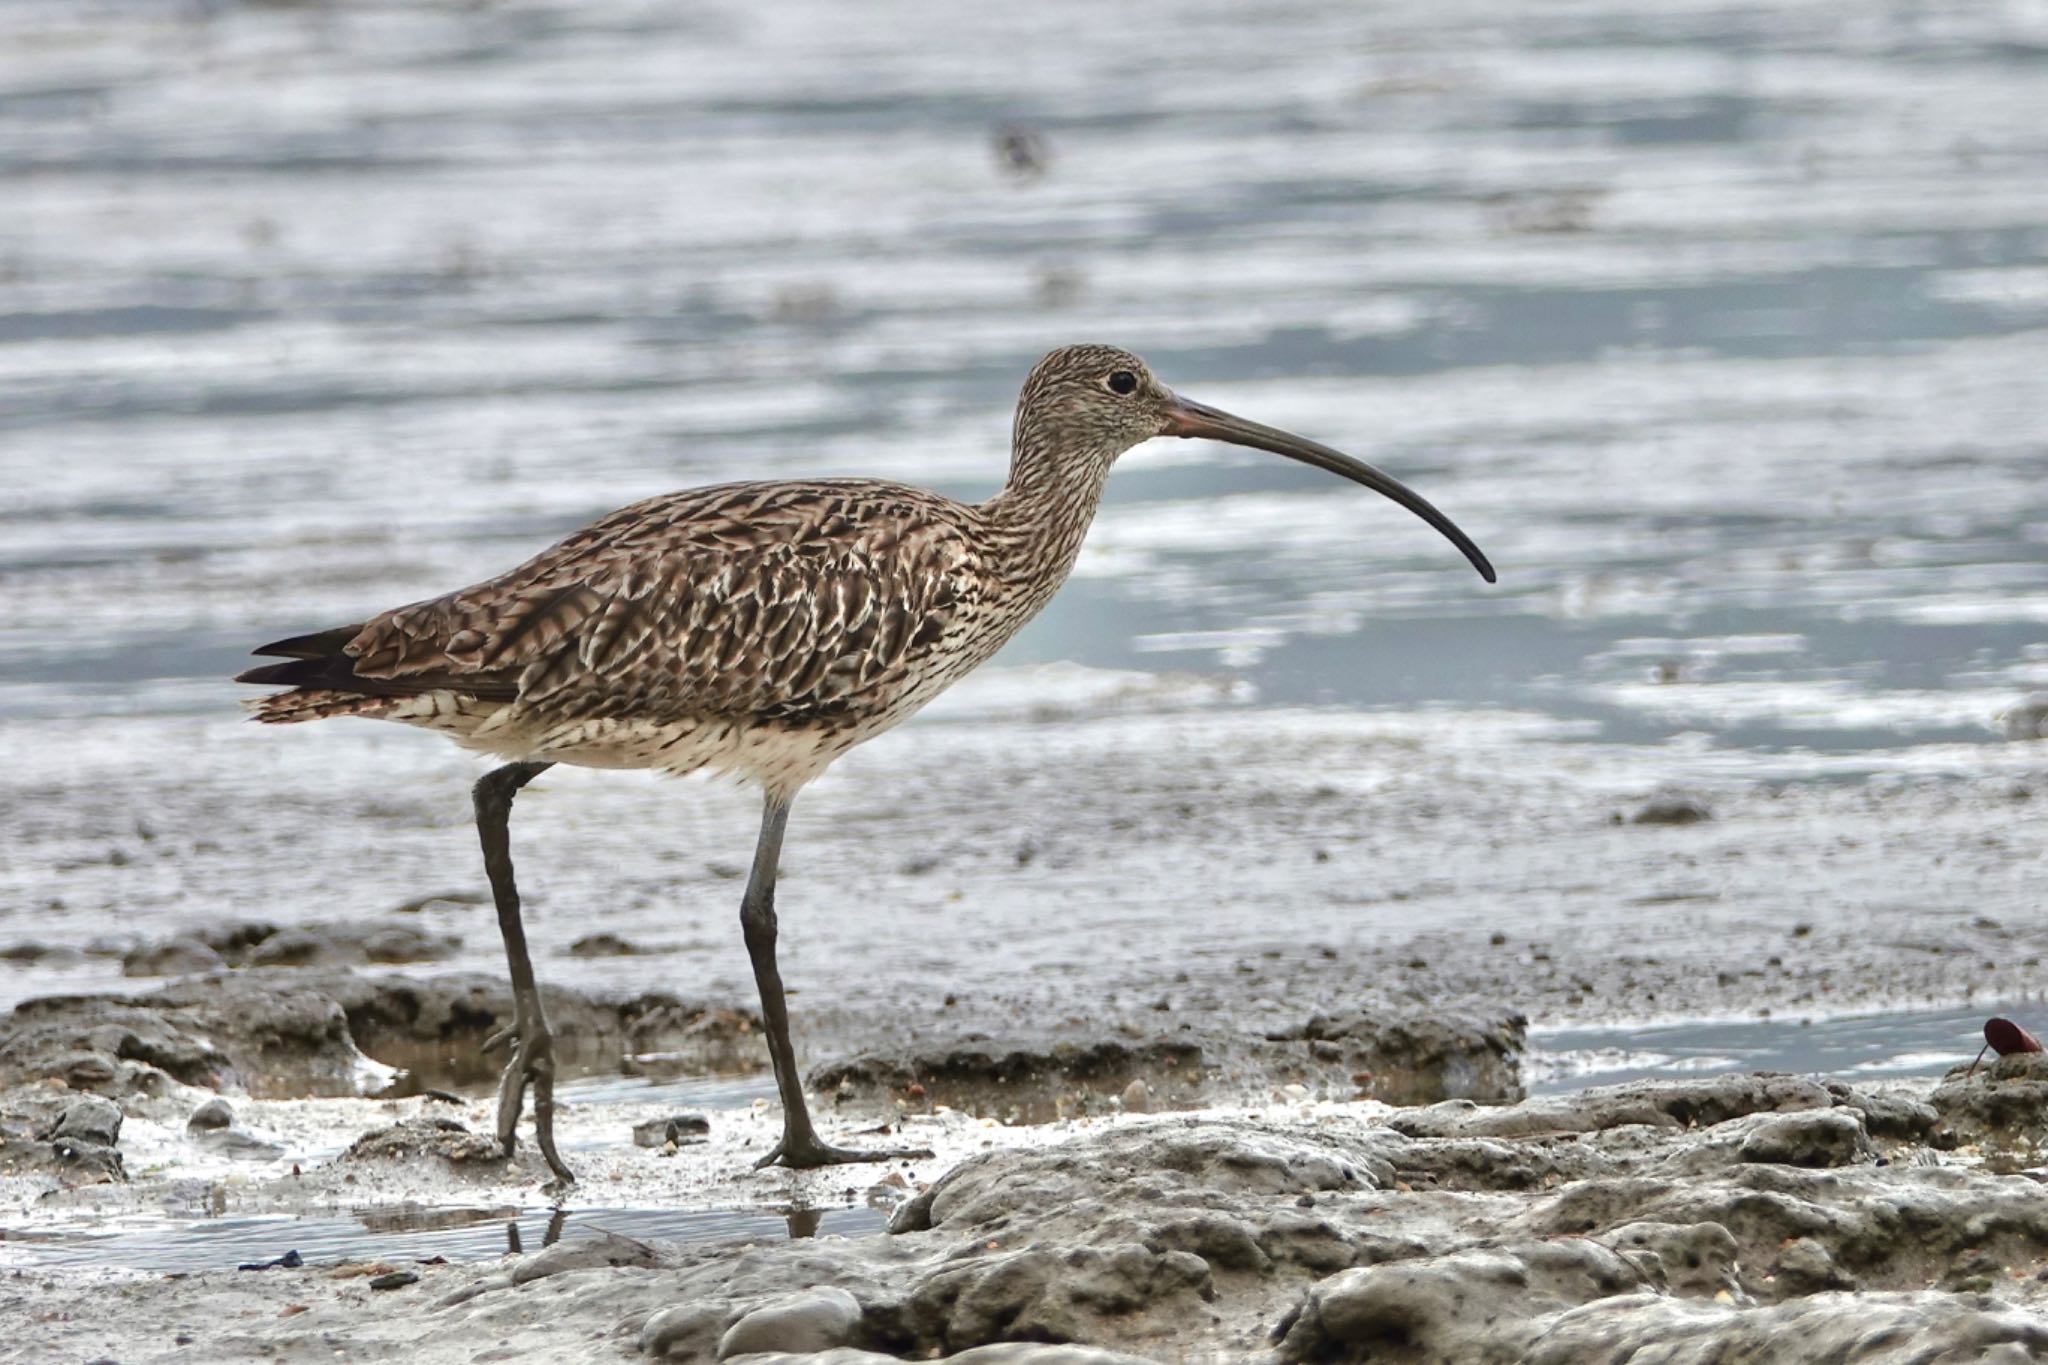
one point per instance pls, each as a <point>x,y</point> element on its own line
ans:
<point>607,945</point>
<point>86,1138</point>
<point>584,1253</point>
<point>814,1320</point>
<point>34,954</point>
<point>2002,1105</point>
<point>255,943</point>
<point>1408,1056</point>
<point>1468,1305</point>
<point>89,1119</point>
<point>1656,1104</point>
<point>211,1116</point>
<point>1823,1137</point>
<point>73,1141</point>
<point>183,956</point>
<point>436,1139</point>
<point>1842,1329</point>
<point>108,1046</point>
<point>1001,1353</point>
<point>1019,1080</point>
<point>1887,1113</point>
<point>1672,808</point>
<point>434,1028</point>
<point>1180,1167</point>
<point>277,1034</point>
<point>1694,1260</point>
<point>212,1125</point>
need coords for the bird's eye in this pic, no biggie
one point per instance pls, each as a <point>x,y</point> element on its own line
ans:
<point>1122,381</point>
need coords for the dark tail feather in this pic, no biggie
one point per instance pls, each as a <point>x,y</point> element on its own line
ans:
<point>319,663</point>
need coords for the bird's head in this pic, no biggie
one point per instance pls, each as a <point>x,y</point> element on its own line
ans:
<point>1083,406</point>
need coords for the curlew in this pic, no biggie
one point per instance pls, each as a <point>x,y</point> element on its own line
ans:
<point>758,629</point>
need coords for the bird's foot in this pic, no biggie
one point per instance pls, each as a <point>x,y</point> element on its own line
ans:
<point>808,1153</point>
<point>533,1063</point>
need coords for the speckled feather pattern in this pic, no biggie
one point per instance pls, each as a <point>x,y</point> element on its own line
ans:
<point>757,628</point>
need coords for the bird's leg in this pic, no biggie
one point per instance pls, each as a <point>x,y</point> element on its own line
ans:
<point>800,1147</point>
<point>533,1054</point>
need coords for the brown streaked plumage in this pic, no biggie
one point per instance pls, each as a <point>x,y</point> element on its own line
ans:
<point>761,629</point>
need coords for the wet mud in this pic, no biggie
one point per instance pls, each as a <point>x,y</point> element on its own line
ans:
<point>1703,1218</point>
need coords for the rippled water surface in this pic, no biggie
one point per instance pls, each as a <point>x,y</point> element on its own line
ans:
<point>1722,327</point>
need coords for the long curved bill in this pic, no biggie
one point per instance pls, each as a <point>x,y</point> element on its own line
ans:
<point>1185,417</point>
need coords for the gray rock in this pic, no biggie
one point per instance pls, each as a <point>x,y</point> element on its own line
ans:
<point>1693,1260</point>
<point>2003,1104</point>
<point>399,943</point>
<point>815,1320</point>
<point>89,1119</point>
<point>214,1114</point>
<point>1806,1266</point>
<point>584,1253</point>
<point>77,1144</point>
<point>607,945</point>
<point>289,948</point>
<point>229,1032</point>
<point>173,957</point>
<point>1658,1104</point>
<point>1672,808</point>
<point>1448,1305</point>
<point>1887,1114</point>
<point>1416,1056</point>
<point>1824,1137</point>
<point>212,1126</point>
<point>475,1289</point>
<point>688,1331</point>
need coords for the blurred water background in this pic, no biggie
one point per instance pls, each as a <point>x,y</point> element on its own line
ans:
<point>1723,327</point>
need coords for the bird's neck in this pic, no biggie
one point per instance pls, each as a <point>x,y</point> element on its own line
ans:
<point>1042,513</point>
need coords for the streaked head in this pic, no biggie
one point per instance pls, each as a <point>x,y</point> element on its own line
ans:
<point>1092,403</point>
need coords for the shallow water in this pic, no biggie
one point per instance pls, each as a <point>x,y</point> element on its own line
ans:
<point>1723,328</point>
<point>1861,1047</point>
<point>403,1235</point>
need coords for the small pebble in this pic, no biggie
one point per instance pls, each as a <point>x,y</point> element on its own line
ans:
<point>215,1113</point>
<point>397,1279</point>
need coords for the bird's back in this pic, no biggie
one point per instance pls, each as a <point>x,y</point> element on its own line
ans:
<point>764,627</point>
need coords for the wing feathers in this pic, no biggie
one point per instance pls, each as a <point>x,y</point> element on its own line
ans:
<point>763,599</point>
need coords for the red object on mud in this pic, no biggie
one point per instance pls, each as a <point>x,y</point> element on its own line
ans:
<point>2005,1037</point>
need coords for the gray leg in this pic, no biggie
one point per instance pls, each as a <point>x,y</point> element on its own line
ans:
<point>533,1057</point>
<point>800,1147</point>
